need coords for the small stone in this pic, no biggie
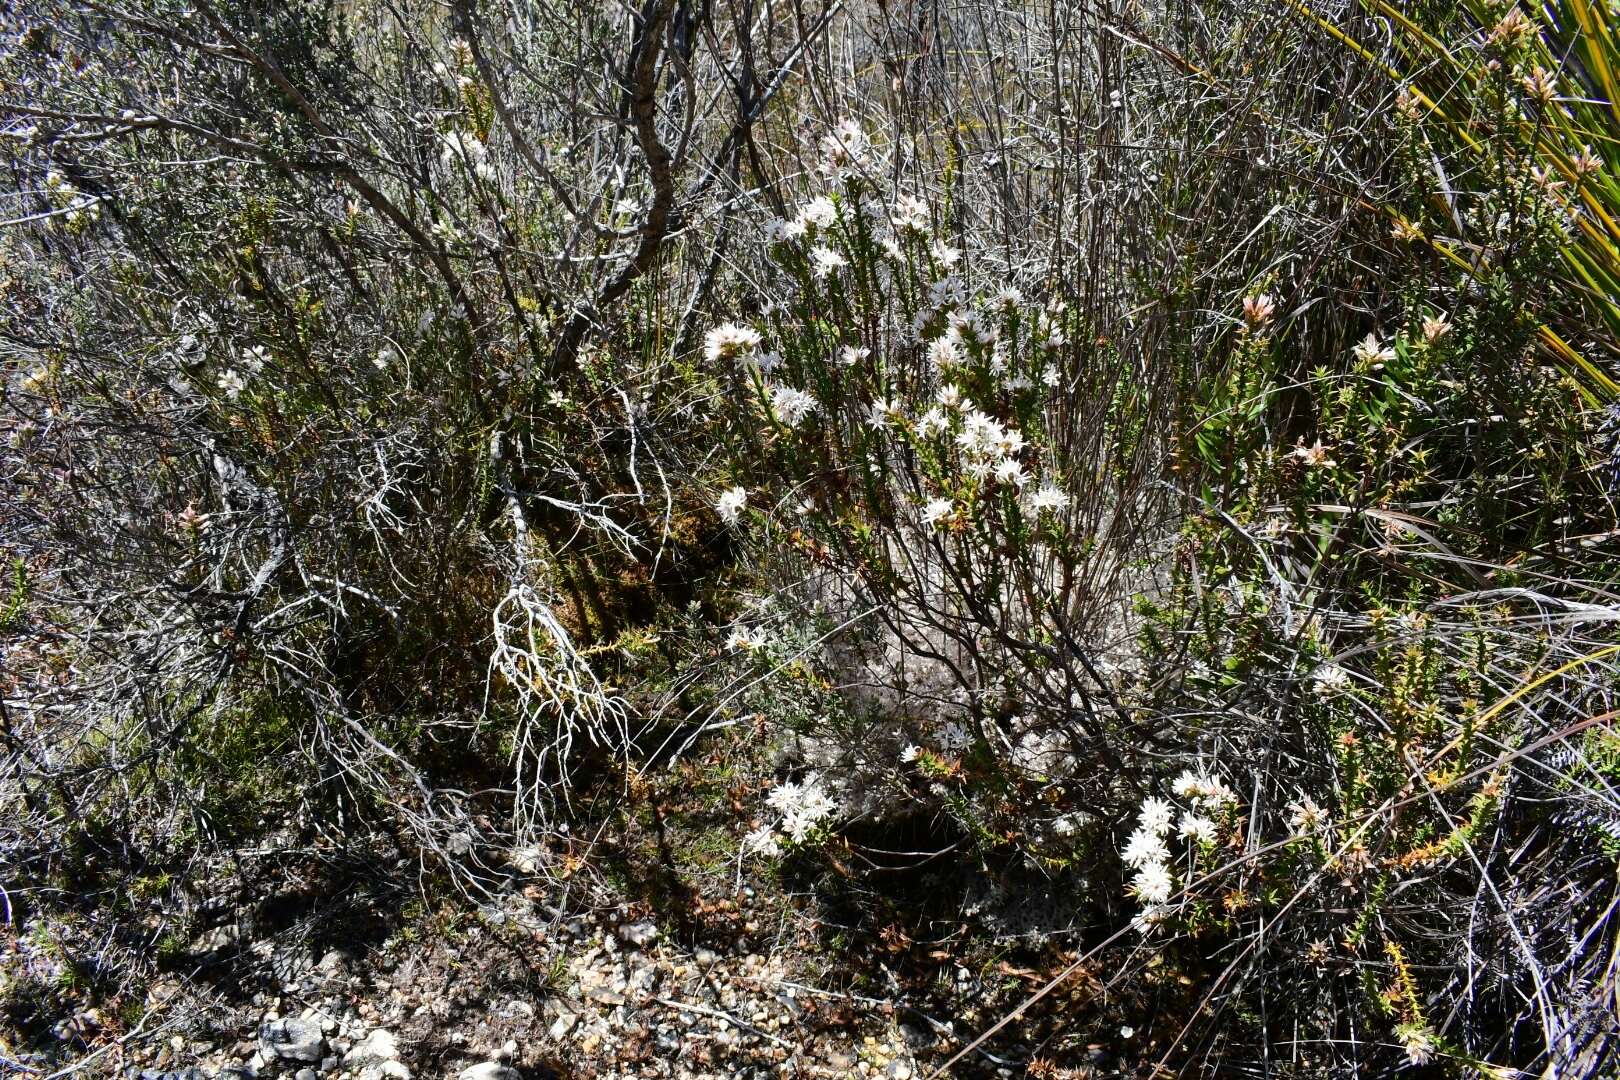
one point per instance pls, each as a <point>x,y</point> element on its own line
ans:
<point>639,934</point>
<point>292,1039</point>
<point>305,1074</point>
<point>378,1046</point>
<point>489,1070</point>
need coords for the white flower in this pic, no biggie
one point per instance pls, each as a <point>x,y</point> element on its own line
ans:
<point>1150,918</point>
<point>947,291</point>
<point>1418,1043</point>
<point>791,405</point>
<point>462,146</point>
<point>1196,827</point>
<point>761,841</point>
<point>744,639</point>
<point>1202,789</point>
<point>932,422</point>
<point>793,230</point>
<point>910,753</point>
<point>1371,352</point>
<point>783,797</point>
<point>850,355</point>
<point>1047,497</point>
<point>253,359</point>
<point>819,212</point>
<point>802,806</point>
<point>883,412</point>
<point>1329,679</point>
<point>232,383</point>
<point>730,504</point>
<point>729,341</point>
<point>949,396</point>
<point>982,436</point>
<point>847,142</point>
<point>824,261</point>
<point>1010,471</point>
<point>1153,884</point>
<point>1049,375</point>
<point>1188,784</point>
<point>910,214</point>
<point>944,354</point>
<point>1306,818</point>
<point>936,511</point>
<point>385,358</point>
<point>1157,814</point>
<point>766,362</point>
<point>1009,441</point>
<point>1144,848</point>
<point>947,255</point>
<point>954,736</point>
<point>1317,456</point>
<point>1048,331</point>
<point>1008,297</point>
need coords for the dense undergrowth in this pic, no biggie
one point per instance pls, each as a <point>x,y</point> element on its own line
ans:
<point>1120,496</point>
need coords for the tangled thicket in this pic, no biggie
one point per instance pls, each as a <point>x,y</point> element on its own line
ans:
<point>1163,450</point>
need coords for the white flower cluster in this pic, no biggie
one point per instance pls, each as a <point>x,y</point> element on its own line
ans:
<point>729,505</point>
<point>991,451</point>
<point>232,383</point>
<point>741,344</point>
<point>79,206</point>
<point>1328,679</point>
<point>802,806</point>
<point>1148,853</point>
<point>466,148</point>
<point>844,146</point>
<point>1306,818</point>
<point>745,640</point>
<point>791,405</point>
<point>1204,790</point>
<point>1148,850</point>
<point>729,341</point>
<point>961,335</point>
